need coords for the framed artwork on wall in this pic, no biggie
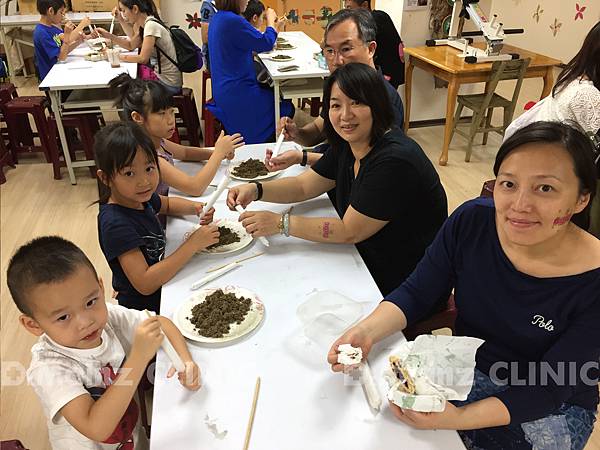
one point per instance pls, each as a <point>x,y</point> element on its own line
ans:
<point>416,4</point>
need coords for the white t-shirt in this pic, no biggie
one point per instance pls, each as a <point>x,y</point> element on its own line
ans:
<point>578,101</point>
<point>169,73</point>
<point>60,374</point>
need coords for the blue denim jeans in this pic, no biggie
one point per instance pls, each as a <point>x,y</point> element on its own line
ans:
<point>568,428</point>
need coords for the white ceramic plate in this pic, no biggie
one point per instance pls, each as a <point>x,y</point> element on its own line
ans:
<point>245,238</point>
<point>292,47</point>
<point>287,59</point>
<point>234,164</point>
<point>253,318</point>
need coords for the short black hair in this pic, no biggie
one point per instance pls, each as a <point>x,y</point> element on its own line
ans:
<point>364,84</point>
<point>367,28</point>
<point>142,96</point>
<point>44,5</point>
<point>255,7</point>
<point>228,5</point>
<point>44,260</point>
<point>115,147</point>
<point>575,143</point>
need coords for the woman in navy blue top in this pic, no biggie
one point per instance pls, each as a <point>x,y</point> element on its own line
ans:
<point>241,104</point>
<point>526,280</point>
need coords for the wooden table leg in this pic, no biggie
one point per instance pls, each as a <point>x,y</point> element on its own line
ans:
<point>407,92</point>
<point>548,82</point>
<point>453,85</point>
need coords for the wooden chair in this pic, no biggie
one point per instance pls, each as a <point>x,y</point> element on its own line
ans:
<point>187,117</point>
<point>483,105</point>
<point>443,319</point>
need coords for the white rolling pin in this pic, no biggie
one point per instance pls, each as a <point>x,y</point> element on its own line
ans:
<point>220,188</point>
<point>216,274</point>
<point>170,351</point>
<point>369,386</point>
<point>262,239</point>
<point>278,144</point>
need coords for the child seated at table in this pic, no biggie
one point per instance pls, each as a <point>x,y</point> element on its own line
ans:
<point>50,41</point>
<point>130,235</point>
<point>150,105</point>
<point>90,355</point>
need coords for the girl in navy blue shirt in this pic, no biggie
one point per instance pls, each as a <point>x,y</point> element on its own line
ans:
<point>526,279</point>
<point>131,237</point>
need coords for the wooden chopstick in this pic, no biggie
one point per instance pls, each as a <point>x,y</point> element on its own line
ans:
<point>252,412</point>
<point>238,261</point>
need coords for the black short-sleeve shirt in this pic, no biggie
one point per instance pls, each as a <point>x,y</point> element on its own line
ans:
<point>396,183</point>
<point>121,229</point>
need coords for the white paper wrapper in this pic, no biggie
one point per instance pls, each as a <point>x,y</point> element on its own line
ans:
<point>442,368</point>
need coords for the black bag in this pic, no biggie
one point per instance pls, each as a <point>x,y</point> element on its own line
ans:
<point>189,55</point>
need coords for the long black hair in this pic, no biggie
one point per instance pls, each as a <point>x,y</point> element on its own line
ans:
<point>115,147</point>
<point>362,83</point>
<point>586,62</point>
<point>145,6</point>
<point>575,143</point>
<point>142,96</point>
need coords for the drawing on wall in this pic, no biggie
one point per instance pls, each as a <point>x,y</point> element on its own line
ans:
<point>538,13</point>
<point>326,13</point>
<point>292,16</point>
<point>416,4</point>
<point>580,10</point>
<point>555,27</point>
<point>309,17</point>
<point>193,21</point>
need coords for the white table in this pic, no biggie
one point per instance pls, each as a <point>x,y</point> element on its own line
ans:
<point>308,68</point>
<point>78,75</point>
<point>302,404</point>
<point>21,20</point>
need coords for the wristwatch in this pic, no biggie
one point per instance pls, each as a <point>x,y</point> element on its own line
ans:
<point>304,158</point>
<point>259,189</point>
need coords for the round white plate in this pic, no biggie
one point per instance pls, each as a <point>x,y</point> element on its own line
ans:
<point>234,164</point>
<point>292,47</point>
<point>245,238</point>
<point>253,318</point>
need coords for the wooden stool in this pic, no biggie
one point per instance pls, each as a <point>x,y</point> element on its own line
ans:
<point>205,78</point>
<point>12,445</point>
<point>15,111</point>
<point>315,105</point>
<point>5,160</point>
<point>187,116</point>
<point>8,91</point>
<point>443,319</point>
<point>212,128</point>
<point>88,125</point>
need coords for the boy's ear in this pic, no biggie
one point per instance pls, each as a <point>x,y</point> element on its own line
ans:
<point>50,11</point>
<point>137,117</point>
<point>31,325</point>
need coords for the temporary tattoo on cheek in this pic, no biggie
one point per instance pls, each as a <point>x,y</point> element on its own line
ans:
<point>325,230</point>
<point>562,220</point>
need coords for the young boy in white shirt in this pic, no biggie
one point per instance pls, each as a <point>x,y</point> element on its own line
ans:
<point>90,356</point>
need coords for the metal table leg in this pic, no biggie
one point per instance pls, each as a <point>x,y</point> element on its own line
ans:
<point>277,103</point>
<point>55,96</point>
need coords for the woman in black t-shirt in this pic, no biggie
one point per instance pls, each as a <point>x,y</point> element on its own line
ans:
<point>388,194</point>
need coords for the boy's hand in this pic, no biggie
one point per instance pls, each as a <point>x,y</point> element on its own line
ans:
<point>226,145</point>
<point>69,27</point>
<point>204,236</point>
<point>147,339</point>
<point>85,22</point>
<point>190,377</point>
<point>75,38</point>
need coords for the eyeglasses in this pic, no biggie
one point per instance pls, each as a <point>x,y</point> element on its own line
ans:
<point>346,51</point>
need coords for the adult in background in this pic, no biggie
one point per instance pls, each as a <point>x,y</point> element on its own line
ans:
<point>388,195</point>
<point>349,37</point>
<point>241,104</point>
<point>526,280</point>
<point>390,49</point>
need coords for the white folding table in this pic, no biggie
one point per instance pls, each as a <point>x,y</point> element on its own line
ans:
<point>309,70</point>
<point>302,404</point>
<point>22,20</point>
<point>88,81</point>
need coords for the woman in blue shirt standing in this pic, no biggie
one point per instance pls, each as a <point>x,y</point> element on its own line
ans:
<point>241,104</point>
<point>526,280</point>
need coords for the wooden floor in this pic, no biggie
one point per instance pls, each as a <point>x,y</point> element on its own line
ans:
<point>33,204</point>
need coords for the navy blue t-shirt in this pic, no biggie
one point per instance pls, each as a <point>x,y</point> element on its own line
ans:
<point>550,322</point>
<point>47,45</point>
<point>121,229</point>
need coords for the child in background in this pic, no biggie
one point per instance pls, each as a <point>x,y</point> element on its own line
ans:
<point>131,237</point>
<point>207,10</point>
<point>52,43</point>
<point>150,105</point>
<point>90,356</point>
<point>255,14</point>
<point>142,24</point>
